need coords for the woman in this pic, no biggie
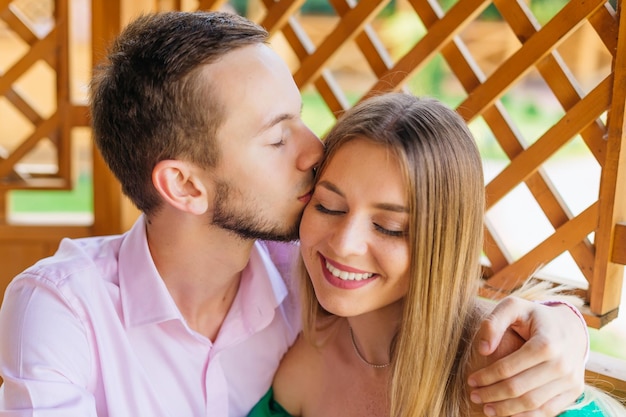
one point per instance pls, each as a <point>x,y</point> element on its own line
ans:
<point>391,239</point>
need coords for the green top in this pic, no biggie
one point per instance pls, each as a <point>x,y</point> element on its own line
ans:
<point>268,407</point>
<point>588,409</point>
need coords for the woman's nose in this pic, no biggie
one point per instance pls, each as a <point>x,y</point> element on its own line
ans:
<point>349,238</point>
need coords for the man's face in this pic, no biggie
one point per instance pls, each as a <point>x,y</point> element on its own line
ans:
<point>265,174</point>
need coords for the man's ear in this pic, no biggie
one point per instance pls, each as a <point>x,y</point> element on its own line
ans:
<point>179,185</point>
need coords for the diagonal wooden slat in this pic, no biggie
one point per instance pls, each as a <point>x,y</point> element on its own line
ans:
<point>438,35</point>
<point>37,51</point>
<point>575,230</point>
<point>325,84</point>
<point>570,18</point>
<point>555,210</point>
<point>331,92</point>
<point>302,46</point>
<point>350,25</point>
<point>604,21</point>
<point>566,91</point>
<point>368,42</point>
<point>20,104</point>
<point>20,29</point>
<point>17,26</point>
<point>579,116</point>
<point>211,4</point>
<point>4,4</point>
<point>42,130</point>
<point>470,76</point>
<point>494,249</point>
<point>554,72</point>
<point>373,50</point>
<point>542,190</point>
<point>278,14</point>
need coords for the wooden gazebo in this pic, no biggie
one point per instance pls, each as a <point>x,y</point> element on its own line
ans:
<point>593,114</point>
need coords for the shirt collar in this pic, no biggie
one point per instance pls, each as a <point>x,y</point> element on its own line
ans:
<point>262,287</point>
<point>145,298</point>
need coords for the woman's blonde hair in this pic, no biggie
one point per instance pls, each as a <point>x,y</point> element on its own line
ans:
<point>445,191</point>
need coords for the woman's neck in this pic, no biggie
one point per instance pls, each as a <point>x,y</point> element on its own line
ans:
<point>372,335</point>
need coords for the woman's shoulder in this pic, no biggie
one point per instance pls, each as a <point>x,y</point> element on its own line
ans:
<point>298,376</point>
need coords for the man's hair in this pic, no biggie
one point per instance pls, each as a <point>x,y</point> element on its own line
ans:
<point>150,101</point>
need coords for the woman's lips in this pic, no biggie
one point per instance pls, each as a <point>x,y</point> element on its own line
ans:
<point>349,279</point>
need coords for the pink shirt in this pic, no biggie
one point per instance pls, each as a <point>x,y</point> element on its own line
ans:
<point>93,331</point>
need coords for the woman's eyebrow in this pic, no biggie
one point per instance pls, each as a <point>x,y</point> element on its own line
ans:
<point>397,208</point>
<point>331,187</point>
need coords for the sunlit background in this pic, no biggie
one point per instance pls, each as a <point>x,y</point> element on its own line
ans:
<point>531,104</point>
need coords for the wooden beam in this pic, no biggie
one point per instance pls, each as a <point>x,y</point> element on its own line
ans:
<point>80,115</point>
<point>105,25</point>
<point>607,373</point>
<point>598,321</point>
<point>606,287</point>
<point>538,46</point>
<point>619,244</point>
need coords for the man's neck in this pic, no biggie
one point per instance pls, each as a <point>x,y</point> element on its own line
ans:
<point>201,266</point>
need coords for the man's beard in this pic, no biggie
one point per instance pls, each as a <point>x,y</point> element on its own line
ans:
<point>243,218</point>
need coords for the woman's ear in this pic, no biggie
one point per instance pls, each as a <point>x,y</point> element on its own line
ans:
<point>179,185</point>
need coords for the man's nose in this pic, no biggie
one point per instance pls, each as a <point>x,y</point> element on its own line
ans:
<point>311,151</point>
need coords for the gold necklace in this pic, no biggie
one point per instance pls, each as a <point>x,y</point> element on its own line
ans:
<point>358,354</point>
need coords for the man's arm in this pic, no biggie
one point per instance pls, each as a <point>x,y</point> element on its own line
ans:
<point>542,377</point>
<point>44,354</point>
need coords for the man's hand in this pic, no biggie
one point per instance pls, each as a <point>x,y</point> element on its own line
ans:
<point>541,378</point>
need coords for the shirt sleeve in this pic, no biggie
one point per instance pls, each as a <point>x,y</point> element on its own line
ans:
<point>580,317</point>
<point>45,358</point>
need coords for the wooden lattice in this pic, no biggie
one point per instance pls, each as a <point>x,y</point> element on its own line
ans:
<point>348,58</point>
<point>42,27</point>
<point>594,114</point>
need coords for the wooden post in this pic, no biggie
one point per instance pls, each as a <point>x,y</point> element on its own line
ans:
<point>606,288</point>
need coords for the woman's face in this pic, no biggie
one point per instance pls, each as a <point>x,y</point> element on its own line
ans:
<point>353,232</point>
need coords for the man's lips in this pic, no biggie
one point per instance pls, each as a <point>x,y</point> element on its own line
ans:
<point>306,197</point>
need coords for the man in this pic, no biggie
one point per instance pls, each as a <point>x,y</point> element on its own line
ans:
<point>187,314</point>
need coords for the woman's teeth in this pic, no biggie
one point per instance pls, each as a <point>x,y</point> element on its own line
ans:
<point>346,276</point>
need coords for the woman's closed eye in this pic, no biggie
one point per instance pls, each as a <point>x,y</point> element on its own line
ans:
<point>384,230</point>
<point>325,210</point>
<point>388,232</point>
